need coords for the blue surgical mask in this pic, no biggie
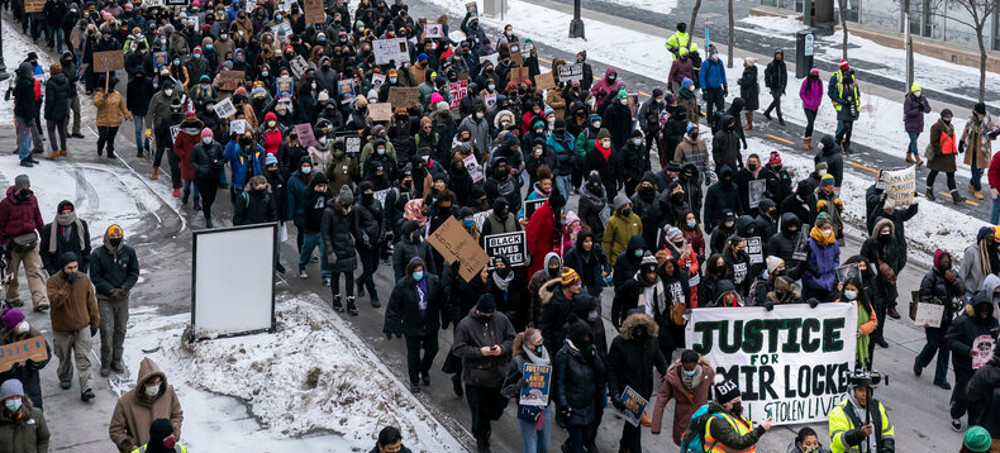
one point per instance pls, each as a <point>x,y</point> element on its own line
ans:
<point>850,295</point>
<point>209,47</point>
<point>592,316</point>
<point>689,373</point>
<point>692,223</point>
<point>418,275</point>
<point>13,405</point>
<point>637,142</point>
<point>638,253</point>
<point>468,222</point>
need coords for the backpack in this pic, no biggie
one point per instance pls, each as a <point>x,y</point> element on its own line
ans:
<point>693,439</point>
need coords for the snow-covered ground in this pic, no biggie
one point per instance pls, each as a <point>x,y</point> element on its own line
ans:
<point>312,386</point>
<point>658,6</point>
<point>15,50</point>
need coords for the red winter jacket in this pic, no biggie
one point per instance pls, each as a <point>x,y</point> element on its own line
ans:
<point>19,217</point>
<point>272,137</point>
<point>993,174</point>
<point>183,144</point>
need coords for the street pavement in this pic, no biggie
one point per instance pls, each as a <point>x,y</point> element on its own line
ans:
<point>918,410</point>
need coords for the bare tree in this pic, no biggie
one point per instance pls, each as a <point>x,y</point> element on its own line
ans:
<point>978,17</point>
<point>843,24</point>
<point>694,16</point>
<point>732,26</point>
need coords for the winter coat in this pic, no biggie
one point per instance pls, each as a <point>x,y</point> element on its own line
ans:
<point>402,315</point>
<point>750,88</point>
<point>811,93</point>
<point>821,265</point>
<point>187,138</point>
<point>712,74</point>
<point>984,395</point>
<point>935,289</point>
<point>594,211</point>
<point>631,360</point>
<point>27,372</point>
<point>57,95</point>
<point>972,271</point>
<point>340,230</point>
<point>914,109</point>
<point>244,164</point>
<point>719,197</point>
<point>542,236</point>
<point>30,434</point>
<point>565,150</point>
<point>776,76</point>
<point>976,136</point>
<point>687,400</point>
<point>371,223</point>
<point>110,109</point>
<point>139,95</point>
<point>653,210</point>
<point>25,101</point>
<point>135,411</point>
<point>73,305</point>
<point>847,101</point>
<point>617,233</point>
<point>473,333</point>
<point>578,383</point>
<point>67,240</point>
<point>255,206</point>
<point>208,161</point>
<point>724,433</point>
<point>966,328</point>
<point>112,268</point>
<point>618,121</point>
<point>829,152</point>
<point>605,87</point>
<point>596,264</point>
<point>944,148</point>
<point>405,250</point>
<point>743,178</point>
<point>608,169</point>
<point>726,145</point>
<point>694,152</point>
<point>627,264</point>
<point>635,163</point>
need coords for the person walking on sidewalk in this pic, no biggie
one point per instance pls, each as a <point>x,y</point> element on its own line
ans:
<point>69,68</point>
<point>715,88</point>
<point>976,320</point>
<point>749,90</point>
<point>20,222</point>
<point>776,79</point>
<point>25,111</point>
<point>978,134</point>
<point>941,286</point>
<point>74,309</point>
<point>57,96</point>
<point>110,111</point>
<point>843,92</point>
<point>417,309</point>
<point>942,156</point>
<point>114,270</point>
<point>811,93</point>
<point>915,106</point>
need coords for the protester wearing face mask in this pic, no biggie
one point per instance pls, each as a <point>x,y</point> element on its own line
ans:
<point>417,310</point>
<point>608,86</point>
<point>688,382</point>
<point>411,245</point>
<point>820,277</point>
<point>942,158</point>
<point>22,424</point>
<point>806,441</point>
<point>16,328</point>
<point>728,427</point>
<point>579,377</point>
<point>630,363</point>
<point>851,292</point>
<point>114,271</point>
<point>150,400</point>
<point>74,310</point>
<point>882,252</point>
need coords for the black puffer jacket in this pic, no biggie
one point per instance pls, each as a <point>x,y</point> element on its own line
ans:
<point>255,206</point>
<point>406,249</point>
<point>627,265</point>
<point>370,222</point>
<point>473,333</point>
<point>969,326</point>
<point>721,196</point>
<point>829,152</point>
<point>340,231</point>
<point>652,209</point>
<point>935,289</point>
<point>402,315</point>
<point>208,161</point>
<point>791,246</point>
<point>984,392</point>
<point>57,96</point>
<point>631,359</point>
<point>578,384</point>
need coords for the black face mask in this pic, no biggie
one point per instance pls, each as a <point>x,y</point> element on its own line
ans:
<point>554,272</point>
<point>115,242</point>
<point>23,195</point>
<point>503,273</point>
<point>367,198</point>
<point>502,214</point>
<point>737,409</point>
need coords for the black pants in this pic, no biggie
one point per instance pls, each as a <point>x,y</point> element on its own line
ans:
<point>933,175</point>
<point>158,156</point>
<point>175,170</point>
<point>486,405</point>
<point>415,363</point>
<point>106,136</point>
<point>959,399</point>
<point>670,338</point>
<point>207,188</point>
<point>631,440</point>
<point>299,235</point>
<point>880,313</point>
<point>714,100</point>
<point>844,136</point>
<point>335,282</point>
<point>810,121</point>
<point>577,177</point>
<point>592,435</point>
<point>579,435</point>
<point>369,264</point>
<point>775,104</point>
<point>53,127</point>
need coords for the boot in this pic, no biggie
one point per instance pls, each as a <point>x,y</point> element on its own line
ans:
<point>62,152</point>
<point>197,204</point>
<point>978,194</point>
<point>956,197</point>
<point>930,194</point>
<point>184,198</point>
<point>456,384</point>
<point>919,160</point>
<point>156,173</point>
<point>138,152</point>
<point>767,114</point>
<point>909,158</point>
<point>781,119</point>
<point>338,304</point>
<point>54,154</point>
<point>749,124</point>
<point>351,308</point>
<point>111,153</point>
<point>807,143</point>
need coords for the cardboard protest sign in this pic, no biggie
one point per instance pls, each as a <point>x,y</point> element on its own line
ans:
<point>178,2</point>
<point>513,245</point>
<point>472,165</point>
<point>539,379</point>
<point>635,405</point>
<point>928,315</point>
<point>531,205</point>
<point>789,362</point>
<point>387,50</point>
<point>237,127</point>
<point>571,72</point>
<point>455,244</point>
<point>900,186</point>
<point>230,80</point>
<point>110,60</point>
<point>345,90</point>
<point>33,349</point>
<point>159,60</point>
<point>515,52</point>
<point>34,6</point>
<point>433,31</point>
<point>305,133</point>
<point>755,249</point>
<point>545,81</point>
<point>225,108</point>
<point>380,111</point>
<point>458,90</point>
<point>313,10</point>
<point>284,85</point>
<point>299,66</point>
<point>406,97</point>
<point>983,345</point>
<point>519,74</point>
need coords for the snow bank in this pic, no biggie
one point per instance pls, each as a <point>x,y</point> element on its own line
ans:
<point>657,6</point>
<point>312,376</point>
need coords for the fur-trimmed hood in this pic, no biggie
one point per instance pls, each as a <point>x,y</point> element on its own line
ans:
<point>548,288</point>
<point>636,320</point>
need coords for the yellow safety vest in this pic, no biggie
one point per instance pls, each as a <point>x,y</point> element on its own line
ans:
<point>840,91</point>
<point>741,426</point>
<point>178,448</point>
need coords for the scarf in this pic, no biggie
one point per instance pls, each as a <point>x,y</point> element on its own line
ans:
<point>862,355</point>
<point>538,360</point>
<point>422,297</point>
<point>691,381</point>
<point>986,257</point>
<point>817,235</point>
<point>605,153</point>
<point>64,221</point>
<point>501,282</point>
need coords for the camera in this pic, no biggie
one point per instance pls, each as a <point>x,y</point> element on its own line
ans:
<point>869,379</point>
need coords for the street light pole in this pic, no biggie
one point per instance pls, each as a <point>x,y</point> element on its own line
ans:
<point>3,67</point>
<point>576,25</point>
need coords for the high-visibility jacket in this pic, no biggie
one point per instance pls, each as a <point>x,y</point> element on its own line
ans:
<point>948,143</point>
<point>840,91</point>
<point>843,419</point>
<point>740,425</point>
<point>178,448</point>
<point>682,43</point>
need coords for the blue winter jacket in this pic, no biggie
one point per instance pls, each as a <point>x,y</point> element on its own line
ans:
<point>822,266</point>
<point>244,165</point>
<point>713,74</point>
<point>564,147</point>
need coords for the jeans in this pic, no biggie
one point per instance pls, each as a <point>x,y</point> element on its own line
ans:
<point>415,363</point>
<point>912,149</point>
<point>775,104</point>
<point>141,142</point>
<point>55,32</point>
<point>535,441</point>
<point>844,131</point>
<point>23,138</point>
<point>935,345</point>
<point>311,240</point>
<point>995,212</point>
<point>188,183</point>
<point>977,174</point>
<point>810,121</point>
<point>563,184</point>
<point>369,264</point>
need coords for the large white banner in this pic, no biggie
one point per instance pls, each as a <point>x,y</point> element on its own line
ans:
<point>791,363</point>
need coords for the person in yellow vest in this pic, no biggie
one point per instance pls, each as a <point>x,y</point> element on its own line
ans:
<point>728,431</point>
<point>942,155</point>
<point>843,92</point>
<point>680,42</point>
<point>161,439</point>
<point>847,432</point>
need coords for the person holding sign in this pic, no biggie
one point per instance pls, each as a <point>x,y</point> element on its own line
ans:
<point>965,332</point>
<point>535,421</point>
<point>850,291</point>
<point>16,329</point>
<point>631,360</point>
<point>940,286</point>
<point>578,379</point>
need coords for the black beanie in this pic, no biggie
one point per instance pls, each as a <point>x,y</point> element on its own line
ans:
<point>486,304</point>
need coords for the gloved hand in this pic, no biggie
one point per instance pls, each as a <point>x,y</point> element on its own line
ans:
<point>93,331</point>
<point>148,132</point>
<point>725,91</point>
<point>115,293</point>
<point>813,302</point>
<point>993,192</point>
<point>618,404</point>
<point>565,412</point>
<point>769,305</point>
<point>961,146</point>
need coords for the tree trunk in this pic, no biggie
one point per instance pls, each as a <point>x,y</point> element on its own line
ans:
<point>908,44</point>
<point>843,24</point>
<point>732,26</point>
<point>694,17</point>
<point>982,63</point>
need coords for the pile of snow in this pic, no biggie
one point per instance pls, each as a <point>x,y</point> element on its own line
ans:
<point>312,376</point>
<point>656,6</point>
